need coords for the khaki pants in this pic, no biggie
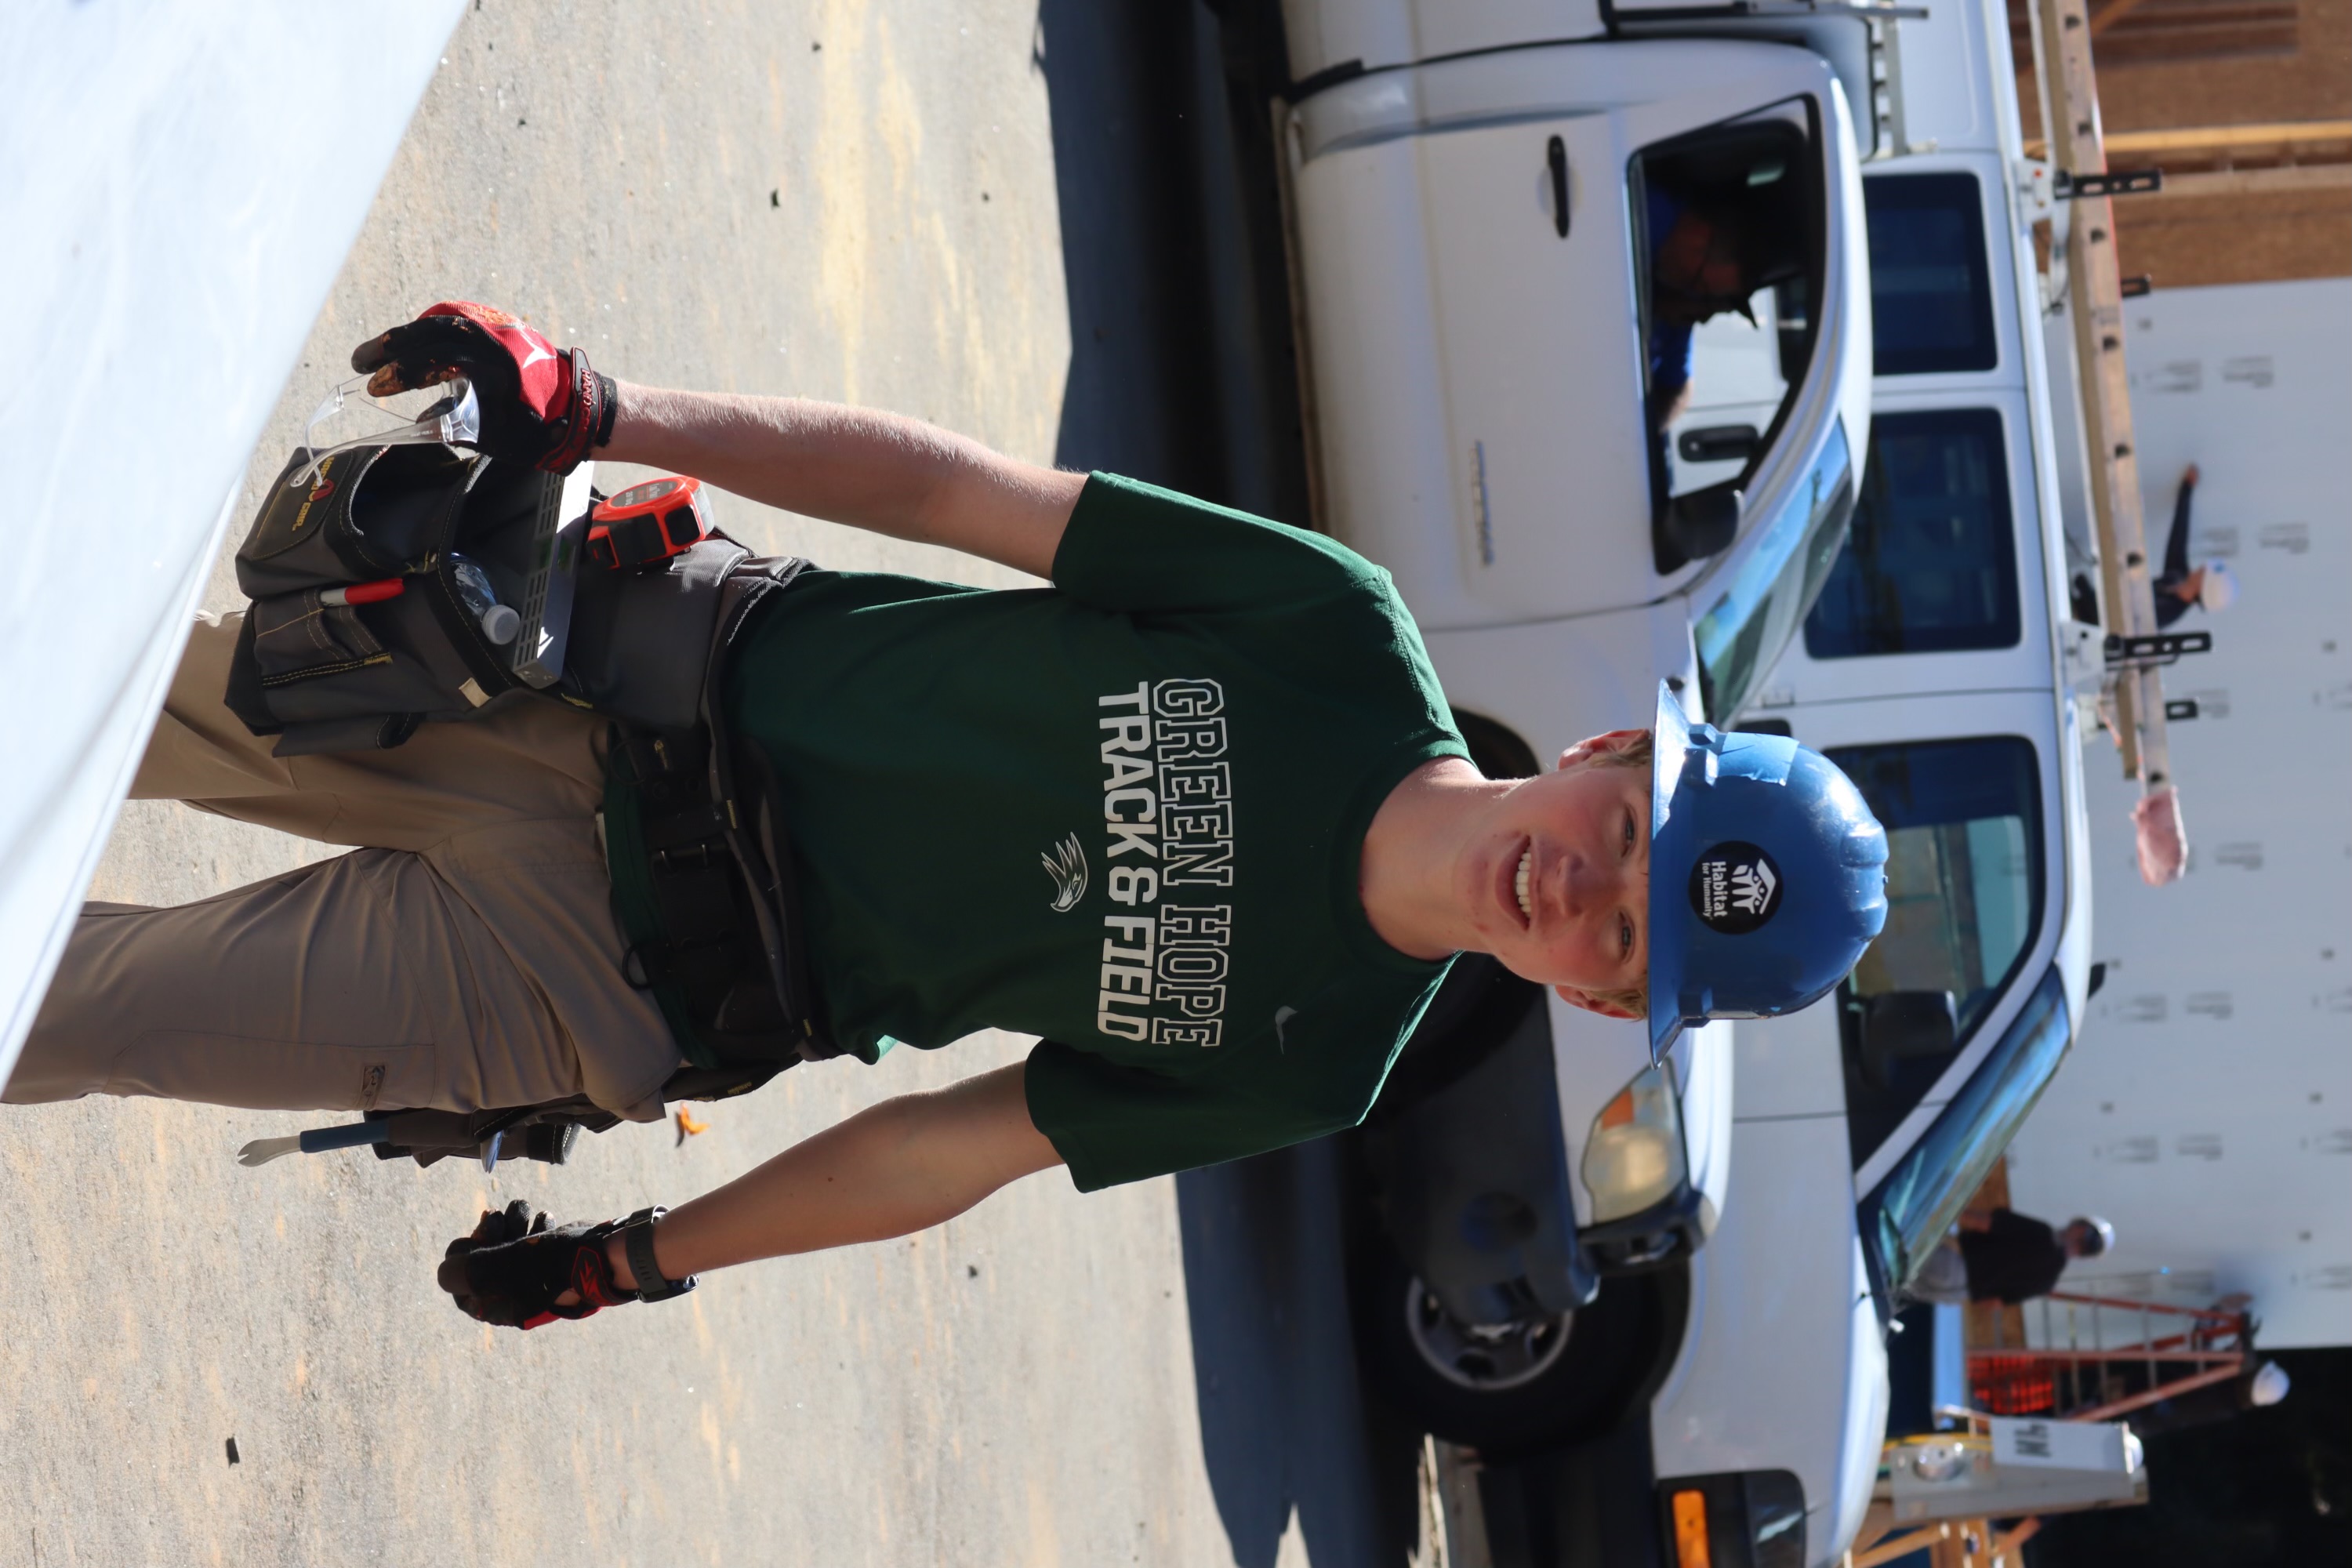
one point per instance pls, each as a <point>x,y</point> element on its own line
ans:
<point>463,956</point>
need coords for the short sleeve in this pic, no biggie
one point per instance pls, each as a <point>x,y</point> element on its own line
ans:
<point>1136,548</point>
<point>1113,1123</point>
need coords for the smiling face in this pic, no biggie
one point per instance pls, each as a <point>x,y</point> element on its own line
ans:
<point>1557,876</point>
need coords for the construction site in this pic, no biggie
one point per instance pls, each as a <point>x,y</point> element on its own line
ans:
<point>1714,645</point>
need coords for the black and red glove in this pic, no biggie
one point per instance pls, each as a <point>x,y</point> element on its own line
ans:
<point>540,405</point>
<point>512,1267</point>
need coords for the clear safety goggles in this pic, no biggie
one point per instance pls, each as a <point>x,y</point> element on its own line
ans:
<point>446,413</point>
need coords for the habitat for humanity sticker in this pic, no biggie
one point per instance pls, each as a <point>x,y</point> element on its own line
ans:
<point>1735,887</point>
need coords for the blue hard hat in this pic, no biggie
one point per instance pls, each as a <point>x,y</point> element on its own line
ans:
<point>1767,874</point>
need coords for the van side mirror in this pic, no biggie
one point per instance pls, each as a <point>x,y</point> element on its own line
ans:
<point>1703,523</point>
<point>1902,1026</point>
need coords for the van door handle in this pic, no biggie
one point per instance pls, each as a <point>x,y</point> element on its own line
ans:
<point>1556,156</point>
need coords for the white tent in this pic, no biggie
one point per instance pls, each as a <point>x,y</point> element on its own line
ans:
<point>180,183</point>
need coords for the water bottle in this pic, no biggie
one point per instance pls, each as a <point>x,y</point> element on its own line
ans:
<point>499,622</point>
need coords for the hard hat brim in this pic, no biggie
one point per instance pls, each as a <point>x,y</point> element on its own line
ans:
<point>1670,748</point>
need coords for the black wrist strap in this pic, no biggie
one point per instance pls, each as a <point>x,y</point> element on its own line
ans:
<point>612,405</point>
<point>637,1245</point>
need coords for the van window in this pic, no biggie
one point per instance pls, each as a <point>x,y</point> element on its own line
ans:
<point>1930,282</point>
<point>1931,561</point>
<point>1728,253</point>
<point>1964,876</point>
<point>1917,1203</point>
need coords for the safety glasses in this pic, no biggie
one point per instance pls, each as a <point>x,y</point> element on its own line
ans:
<point>446,413</point>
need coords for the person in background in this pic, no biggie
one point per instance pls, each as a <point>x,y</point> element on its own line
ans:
<point>2007,1257</point>
<point>1698,268</point>
<point>2209,586</point>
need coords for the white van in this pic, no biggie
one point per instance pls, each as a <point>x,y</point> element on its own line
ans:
<point>1933,668</point>
<point>1477,196</point>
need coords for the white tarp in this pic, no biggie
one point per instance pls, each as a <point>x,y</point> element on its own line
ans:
<point>181,183</point>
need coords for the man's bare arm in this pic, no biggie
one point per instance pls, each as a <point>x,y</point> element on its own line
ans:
<point>873,470</point>
<point>895,1168</point>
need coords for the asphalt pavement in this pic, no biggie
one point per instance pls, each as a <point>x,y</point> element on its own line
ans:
<point>1040,228</point>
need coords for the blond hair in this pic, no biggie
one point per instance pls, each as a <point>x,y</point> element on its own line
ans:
<point>1633,754</point>
<point>1633,999</point>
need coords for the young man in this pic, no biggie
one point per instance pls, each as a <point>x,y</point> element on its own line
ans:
<point>2209,586</point>
<point>1196,815</point>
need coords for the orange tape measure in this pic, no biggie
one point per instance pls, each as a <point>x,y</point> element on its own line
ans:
<point>648,522</point>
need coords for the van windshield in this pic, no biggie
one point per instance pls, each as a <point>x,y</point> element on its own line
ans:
<point>1964,876</point>
<point>1909,1213</point>
<point>1757,613</point>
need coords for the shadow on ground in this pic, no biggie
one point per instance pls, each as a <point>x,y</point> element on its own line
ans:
<point>1285,1426</point>
<point>1180,368</point>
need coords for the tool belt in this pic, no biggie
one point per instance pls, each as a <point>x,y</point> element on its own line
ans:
<point>692,825</point>
<point>694,836</point>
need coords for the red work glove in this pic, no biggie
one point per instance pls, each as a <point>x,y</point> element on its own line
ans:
<point>540,405</point>
<point>512,1267</point>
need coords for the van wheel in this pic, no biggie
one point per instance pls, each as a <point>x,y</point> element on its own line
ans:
<point>1547,1377</point>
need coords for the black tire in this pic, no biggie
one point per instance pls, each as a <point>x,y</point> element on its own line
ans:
<point>1582,1387</point>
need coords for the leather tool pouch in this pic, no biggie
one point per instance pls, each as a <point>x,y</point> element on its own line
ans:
<point>322,676</point>
<point>333,678</point>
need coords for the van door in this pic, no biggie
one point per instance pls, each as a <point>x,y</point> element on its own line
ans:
<point>1967,787</point>
<point>1943,583</point>
<point>1535,313</point>
<point>1480,315</point>
<point>1940,586</point>
<point>1549,327</point>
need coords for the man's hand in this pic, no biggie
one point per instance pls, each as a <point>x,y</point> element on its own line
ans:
<point>517,1273</point>
<point>540,405</point>
<point>893,1169</point>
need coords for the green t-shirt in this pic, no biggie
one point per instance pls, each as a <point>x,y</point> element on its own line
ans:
<point>1124,813</point>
